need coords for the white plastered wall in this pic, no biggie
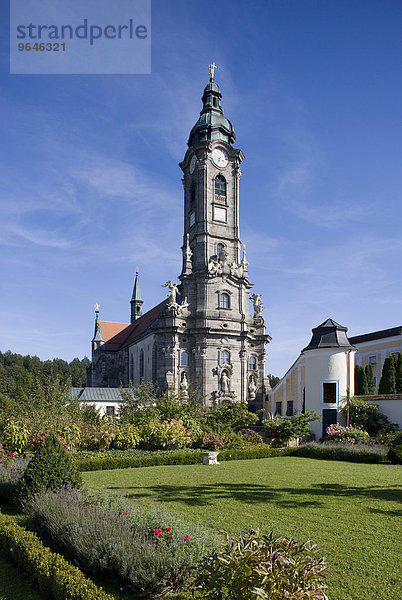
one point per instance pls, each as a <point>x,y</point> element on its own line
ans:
<point>327,365</point>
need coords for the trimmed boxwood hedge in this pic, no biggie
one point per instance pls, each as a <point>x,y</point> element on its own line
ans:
<point>55,578</point>
<point>175,458</point>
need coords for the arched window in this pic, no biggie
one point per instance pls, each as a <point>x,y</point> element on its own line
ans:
<point>224,300</point>
<point>192,193</point>
<point>252,363</point>
<point>224,357</point>
<point>220,249</point>
<point>220,188</point>
<point>141,364</point>
<point>184,359</point>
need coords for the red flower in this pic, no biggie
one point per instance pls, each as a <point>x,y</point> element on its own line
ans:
<point>186,538</point>
<point>168,529</point>
<point>11,454</point>
<point>126,512</point>
<point>12,468</point>
<point>157,532</point>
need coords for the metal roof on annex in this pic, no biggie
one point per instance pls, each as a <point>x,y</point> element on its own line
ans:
<point>376,335</point>
<point>98,394</point>
<point>329,335</point>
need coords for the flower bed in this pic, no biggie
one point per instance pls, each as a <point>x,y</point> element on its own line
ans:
<point>153,550</point>
<point>54,576</point>
<point>352,435</point>
<point>12,468</point>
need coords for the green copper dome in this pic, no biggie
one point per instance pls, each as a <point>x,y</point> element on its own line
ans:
<point>212,125</point>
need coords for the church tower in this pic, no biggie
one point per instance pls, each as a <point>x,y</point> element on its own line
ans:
<point>136,301</point>
<point>203,336</point>
<point>219,347</point>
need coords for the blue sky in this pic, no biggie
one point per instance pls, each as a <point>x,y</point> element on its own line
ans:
<point>90,185</point>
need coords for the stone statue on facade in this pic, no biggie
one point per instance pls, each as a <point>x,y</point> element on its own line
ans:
<point>257,304</point>
<point>214,266</point>
<point>225,384</point>
<point>252,388</point>
<point>184,385</point>
<point>172,292</point>
<point>187,252</point>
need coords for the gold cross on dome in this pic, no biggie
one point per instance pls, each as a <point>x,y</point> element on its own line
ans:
<point>97,307</point>
<point>212,69</point>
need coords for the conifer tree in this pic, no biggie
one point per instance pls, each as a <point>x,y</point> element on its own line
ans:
<point>360,381</point>
<point>50,468</point>
<point>387,382</point>
<point>399,374</point>
<point>370,379</point>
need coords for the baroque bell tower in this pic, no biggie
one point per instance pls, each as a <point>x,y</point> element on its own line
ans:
<point>216,344</point>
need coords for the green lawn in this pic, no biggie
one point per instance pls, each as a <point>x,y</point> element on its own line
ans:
<point>12,584</point>
<point>350,510</point>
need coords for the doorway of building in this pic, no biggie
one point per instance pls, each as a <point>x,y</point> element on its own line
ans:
<point>329,417</point>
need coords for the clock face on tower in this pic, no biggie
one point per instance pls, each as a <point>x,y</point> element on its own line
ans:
<point>220,158</point>
<point>192,164</point>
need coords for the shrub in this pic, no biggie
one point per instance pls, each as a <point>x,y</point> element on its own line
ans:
<point>366,415</point>
<point>229,415</point>
<point>15,436</point>
<point>36,440</point>
<point>233,441</point>
<point>50,468</point>
<point>98,437</point>
<point>341,451</point>
<point>287,428</point>
<point>71,435</point>
<point>127,436</point>
<point>174,436</point>
<point>263,567</point>
<point>251,437</point>
<point>352,435</point>
<point>212,441</point>
<point>169,435</point>
<point>54,576</point>
<point>395,454</point>
<point>387,438</point>
<point>148,547</point>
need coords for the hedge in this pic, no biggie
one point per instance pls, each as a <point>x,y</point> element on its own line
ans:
<point>343,452</point>
<point>55,577</point>
<point>179,458</point>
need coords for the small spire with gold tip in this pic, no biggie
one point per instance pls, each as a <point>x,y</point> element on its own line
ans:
<point>97,340</point>
<point>212,68</point>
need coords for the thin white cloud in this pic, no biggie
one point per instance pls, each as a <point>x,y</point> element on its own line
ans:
<point>39,237</point>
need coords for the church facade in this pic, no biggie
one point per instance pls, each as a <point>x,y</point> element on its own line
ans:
<point>203,334</point>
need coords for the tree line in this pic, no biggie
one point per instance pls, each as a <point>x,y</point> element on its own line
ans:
<point>21,377</point>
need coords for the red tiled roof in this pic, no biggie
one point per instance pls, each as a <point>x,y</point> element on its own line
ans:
<point>127,333</point>
<point>109,329</point>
